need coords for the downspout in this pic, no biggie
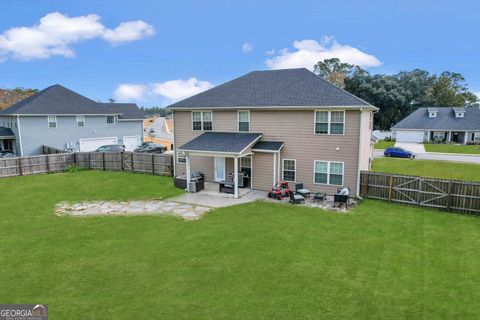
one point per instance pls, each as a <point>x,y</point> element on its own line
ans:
<point>174,147</point>
<point>19,136</point>
<point>360,147</point>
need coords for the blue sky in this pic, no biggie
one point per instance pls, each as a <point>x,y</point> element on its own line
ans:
<point>167,50</point>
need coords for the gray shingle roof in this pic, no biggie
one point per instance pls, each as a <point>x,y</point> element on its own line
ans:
<point>60,100</point>
<point>288,87</point>
<point>6,132</point>
<point>268,145</point>
<point>445,120</point>
<point>221,142</point>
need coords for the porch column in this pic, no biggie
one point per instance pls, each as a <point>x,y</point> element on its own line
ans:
<point>235,176</point>
<point>449,136</point>
<point>465,137</point>
<point>187,164</point>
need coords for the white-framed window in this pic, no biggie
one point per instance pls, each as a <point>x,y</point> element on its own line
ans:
<point>289,170</point>
<point>476,136</point>
<point>438,135</point>
<point>328,172</point>
<point>52,121</point>
<point>459,114</point>
<point>110,119</point>
<point>243,119</point>
<point>80,121</point>
<point>432,114</point>
<point>329,122</point>
<point>202,120</point>
<point>181,157</point>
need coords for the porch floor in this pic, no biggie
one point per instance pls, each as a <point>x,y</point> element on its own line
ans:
<point>210,196</point>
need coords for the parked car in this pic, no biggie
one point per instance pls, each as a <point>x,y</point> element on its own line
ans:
<point>151,130</point>
<point>398,153</point>
<point>153,148</point>
<point>143,145</point>
<point>111,148</point>
<point>6,154</point>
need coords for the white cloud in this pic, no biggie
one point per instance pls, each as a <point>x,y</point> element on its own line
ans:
<point>172,90</point>
<point>131,92</point>
<point>307,53</point>
<point>247,47</point>
<point>180,89</point>
<point>478,94</point>
<point>55,33</point>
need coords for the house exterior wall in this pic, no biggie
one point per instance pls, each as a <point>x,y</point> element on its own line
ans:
<point>35,132</point>
<point>296,129</point>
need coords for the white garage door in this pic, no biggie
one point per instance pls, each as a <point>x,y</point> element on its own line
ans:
<point>409,136</point>
<point>91,144</point>
<point>131,142</point>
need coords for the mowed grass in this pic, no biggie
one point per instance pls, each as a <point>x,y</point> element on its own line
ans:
<point>384,144</point>
<point>255,261</point>
<point>452,148</point>
<point>428,168</point>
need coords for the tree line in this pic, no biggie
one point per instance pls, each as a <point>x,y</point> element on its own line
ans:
<point>399,94</point>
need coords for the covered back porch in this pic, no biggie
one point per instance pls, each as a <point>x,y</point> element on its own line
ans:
<point>225,161</point>
<point>7,140</point>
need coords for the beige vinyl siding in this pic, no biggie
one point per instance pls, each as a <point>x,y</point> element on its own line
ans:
<point>262,171</point>
<point>296,129</point>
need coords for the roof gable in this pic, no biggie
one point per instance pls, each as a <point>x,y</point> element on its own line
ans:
<point>445,120</point>
<point>273,88</point>
<point>58,100</point>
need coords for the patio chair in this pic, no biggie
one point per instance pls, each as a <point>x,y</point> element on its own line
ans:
<point>301,190</point>
<point>296,198</point>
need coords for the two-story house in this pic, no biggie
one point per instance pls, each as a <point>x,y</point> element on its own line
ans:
<point>60,118</point>
<point>275,125</point>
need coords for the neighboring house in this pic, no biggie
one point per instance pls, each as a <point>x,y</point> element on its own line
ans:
<point>60,118</point>
<point>275,125</point>
<point>443,124</point>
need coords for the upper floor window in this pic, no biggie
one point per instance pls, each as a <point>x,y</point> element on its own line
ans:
<point>329,122</point>
<point>110,119</point>
<point>80,121</point>
<point>327,172</point>
<point>202,120</point>
<point>244,120</point>
<point>52,121</point>
<point>289,170</point>
<point>181,157</point>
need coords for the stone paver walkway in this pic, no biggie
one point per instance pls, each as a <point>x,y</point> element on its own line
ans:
<point>148,207</point>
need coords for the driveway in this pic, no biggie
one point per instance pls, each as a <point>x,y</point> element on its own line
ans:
<point>160,129</point>
<point>438,156</point>
<point>416,148</point>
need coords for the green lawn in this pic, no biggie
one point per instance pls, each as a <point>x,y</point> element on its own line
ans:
<point>428,168</point>
<point>452,148</point>
<point>254,261</point>
<point>384,144</point>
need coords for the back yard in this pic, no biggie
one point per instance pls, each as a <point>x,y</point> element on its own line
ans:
<point>253,261</point>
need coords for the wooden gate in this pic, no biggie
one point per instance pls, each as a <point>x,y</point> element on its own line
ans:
<point>452,195</point>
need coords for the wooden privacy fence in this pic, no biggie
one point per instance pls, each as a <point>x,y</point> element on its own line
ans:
<point>450,195</point>
<point>50,150</point>
<point>156,164</point>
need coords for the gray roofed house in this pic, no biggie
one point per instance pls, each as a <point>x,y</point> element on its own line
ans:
<point>442,124</point>
<point>292,88</point>
<point>267,126</point>
<point>61,118</point>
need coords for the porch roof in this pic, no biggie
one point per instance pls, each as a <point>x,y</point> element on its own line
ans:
<point>268,146</point>
<point>224,142</point>
<point>6,133</point>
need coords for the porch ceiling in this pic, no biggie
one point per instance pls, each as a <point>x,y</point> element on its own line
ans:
<point>221,142</point>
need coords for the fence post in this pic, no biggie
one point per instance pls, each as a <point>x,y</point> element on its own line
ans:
<point>153,164</point>
<point>390,184</point>
<point>449,195</point>
<point>89,161</point>
<point>19,163</point>
<point>47,158</point>
<point>103,160</point>
<point>133,162</point>
<point>121,161</point>
<point>75,159</point>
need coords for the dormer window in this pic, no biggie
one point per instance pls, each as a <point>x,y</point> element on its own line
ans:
<point>432,112</point>
<point>459,112</point>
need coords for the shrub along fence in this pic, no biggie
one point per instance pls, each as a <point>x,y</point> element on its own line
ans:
<point>156,164</point>
<point>450,195</point>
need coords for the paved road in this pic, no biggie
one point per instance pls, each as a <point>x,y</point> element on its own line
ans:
<point>438,156</point>
<point>160,130</point>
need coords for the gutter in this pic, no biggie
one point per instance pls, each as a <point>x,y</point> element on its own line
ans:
<point>19,135</point>
<point>360,147</point>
